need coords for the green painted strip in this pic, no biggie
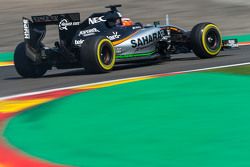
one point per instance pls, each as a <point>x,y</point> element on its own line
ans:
<point>193,120</point>
<point>135,55</point>
<point>241,38</point>
<point>5,57</point>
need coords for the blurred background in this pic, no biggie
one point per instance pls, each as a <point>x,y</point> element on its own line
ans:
<point>232,16</point>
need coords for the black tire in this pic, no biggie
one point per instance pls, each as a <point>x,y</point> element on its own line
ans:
<point>24,66</point>
<point>206,40</point>
<point>97,55</point>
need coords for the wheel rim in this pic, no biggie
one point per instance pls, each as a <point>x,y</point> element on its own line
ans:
<point>106,54</point>
<point>212,40</point>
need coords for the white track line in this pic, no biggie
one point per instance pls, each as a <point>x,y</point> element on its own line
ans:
<point>216,67</point>
<point>110,81</point>
<point>64,88</point>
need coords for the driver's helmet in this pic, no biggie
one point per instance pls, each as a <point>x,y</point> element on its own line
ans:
<point>126,22</point>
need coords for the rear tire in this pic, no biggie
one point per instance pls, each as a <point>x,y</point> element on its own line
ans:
<point>97,55</point>
<point>24,66</point>
<point>206,40</point>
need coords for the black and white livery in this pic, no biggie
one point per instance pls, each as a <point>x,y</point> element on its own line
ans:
<point>105,39</point>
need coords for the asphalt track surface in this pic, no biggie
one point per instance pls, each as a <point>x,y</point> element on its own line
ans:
<point>11,83</point>
<point>231,16</point>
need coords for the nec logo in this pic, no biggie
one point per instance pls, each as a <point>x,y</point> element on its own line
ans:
<point>95,20</point>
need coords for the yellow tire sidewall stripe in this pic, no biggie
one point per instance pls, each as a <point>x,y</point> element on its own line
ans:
<point>205,30</point>
<point>104,66</point>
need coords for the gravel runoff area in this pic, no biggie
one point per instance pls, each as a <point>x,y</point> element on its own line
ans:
<point>231,16</point>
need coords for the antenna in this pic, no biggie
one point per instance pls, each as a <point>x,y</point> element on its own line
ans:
<point>167,19</point>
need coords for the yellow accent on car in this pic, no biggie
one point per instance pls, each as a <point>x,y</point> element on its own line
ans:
<point>104,66</point>
<point>174,29</point>
<point>205,30</point>
<point>124,39</point>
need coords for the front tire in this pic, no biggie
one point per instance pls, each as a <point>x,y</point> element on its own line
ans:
<point>24,66</point>
<point>206,40</point>
<point>97,55</point>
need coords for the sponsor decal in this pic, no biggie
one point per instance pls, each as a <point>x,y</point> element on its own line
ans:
<point>26,29</point>
<point>63,25</point>
<point>45,18</point>
<point>144,47</point>
<point>95,20</point>
<point>118,50</point>
<point>147,40</point>
<point>136,27</point>
<point>114,36</point>
<point>88,32</point>
<point>79,42</point>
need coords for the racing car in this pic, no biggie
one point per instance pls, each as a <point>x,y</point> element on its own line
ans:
<point>105,39</point>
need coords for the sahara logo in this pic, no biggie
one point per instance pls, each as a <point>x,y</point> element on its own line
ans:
<point>63,25</point>
<point>26,29</point>
<point>95,20</point>
<point>146,40</point>
<point>114,36</point>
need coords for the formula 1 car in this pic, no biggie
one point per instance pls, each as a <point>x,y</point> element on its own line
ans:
<point>105,39</point>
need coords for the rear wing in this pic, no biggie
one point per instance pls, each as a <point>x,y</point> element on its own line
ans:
<point>35,29</point>
<point>45,19</point>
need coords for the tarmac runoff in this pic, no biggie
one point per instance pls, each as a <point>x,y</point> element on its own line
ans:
<point>6,59</point>
<point>188,88</point>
